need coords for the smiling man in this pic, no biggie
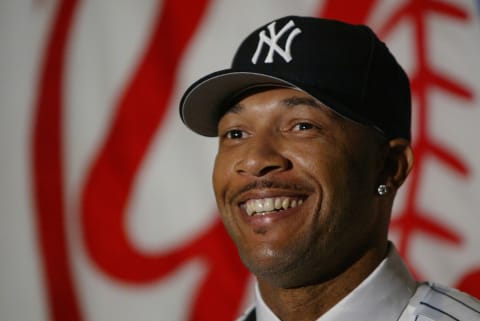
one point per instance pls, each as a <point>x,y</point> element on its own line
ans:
<point>313,120</point>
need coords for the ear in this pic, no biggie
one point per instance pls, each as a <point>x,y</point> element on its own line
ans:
<point>398,162</point>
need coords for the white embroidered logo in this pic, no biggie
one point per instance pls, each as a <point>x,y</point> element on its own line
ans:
<point>272,42</point>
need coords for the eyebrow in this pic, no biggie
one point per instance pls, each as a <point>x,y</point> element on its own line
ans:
<point>295,101</point>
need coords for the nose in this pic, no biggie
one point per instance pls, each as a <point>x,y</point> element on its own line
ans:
<point>262,157</point>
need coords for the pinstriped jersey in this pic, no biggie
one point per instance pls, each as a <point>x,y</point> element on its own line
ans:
<point>433,302</point>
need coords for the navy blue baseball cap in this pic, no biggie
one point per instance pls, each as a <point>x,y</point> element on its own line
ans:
<point>346,67</point>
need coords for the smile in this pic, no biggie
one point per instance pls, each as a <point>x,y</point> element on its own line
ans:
<point>268,205</point>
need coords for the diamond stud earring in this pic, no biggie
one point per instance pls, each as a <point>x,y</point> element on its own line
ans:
<point>382,189</point>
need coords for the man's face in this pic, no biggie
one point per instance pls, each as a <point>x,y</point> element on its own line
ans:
<point>295,185</point>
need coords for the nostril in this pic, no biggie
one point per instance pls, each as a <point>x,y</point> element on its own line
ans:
<point>264,171</point>
<point>282,164</point>
<point>259,170</point>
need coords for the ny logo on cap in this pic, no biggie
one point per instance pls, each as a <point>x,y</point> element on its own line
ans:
<point>272,42</point>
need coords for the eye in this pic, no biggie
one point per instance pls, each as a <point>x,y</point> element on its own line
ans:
<point>303,126</point>
<point>234,134</point>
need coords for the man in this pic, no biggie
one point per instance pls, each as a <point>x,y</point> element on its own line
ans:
<point>313,120</point>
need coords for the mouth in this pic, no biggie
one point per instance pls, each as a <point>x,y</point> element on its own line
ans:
<point>270,205</point>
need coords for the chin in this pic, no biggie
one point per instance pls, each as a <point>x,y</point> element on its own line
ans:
<point>277,269</point>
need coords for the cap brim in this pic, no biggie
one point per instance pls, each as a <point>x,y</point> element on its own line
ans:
<point>203,103</point>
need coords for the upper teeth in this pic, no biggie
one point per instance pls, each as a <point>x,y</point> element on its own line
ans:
<point>265,205</point>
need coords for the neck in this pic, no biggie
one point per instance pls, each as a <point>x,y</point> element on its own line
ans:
<point>310,302</point>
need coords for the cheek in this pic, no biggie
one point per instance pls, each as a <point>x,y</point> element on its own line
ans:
<point>220,176</point>
<point>323,169</point>
<point>337,181</point>
<point>217,178</point>
<point>220,181</point>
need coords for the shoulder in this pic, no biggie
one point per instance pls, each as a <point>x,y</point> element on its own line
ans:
<point>434,302</point>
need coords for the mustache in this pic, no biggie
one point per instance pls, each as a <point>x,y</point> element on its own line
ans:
<point>269,184</point>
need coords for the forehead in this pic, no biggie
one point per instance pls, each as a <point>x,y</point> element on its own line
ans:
<point>287,98</point>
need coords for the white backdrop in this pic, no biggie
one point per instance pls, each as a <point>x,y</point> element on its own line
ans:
<point>106,209</point>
